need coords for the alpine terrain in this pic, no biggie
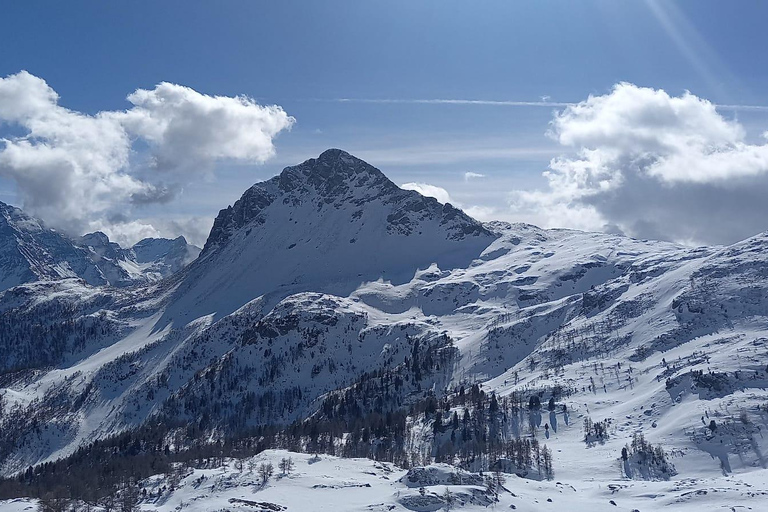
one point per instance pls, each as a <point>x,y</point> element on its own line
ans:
<point>343,344</point>
<point>29,251</point>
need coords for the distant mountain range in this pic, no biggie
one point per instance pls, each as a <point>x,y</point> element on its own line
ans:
<point>30,251</point>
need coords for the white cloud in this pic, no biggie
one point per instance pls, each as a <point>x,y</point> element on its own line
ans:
<point>127,232</point>
<point>189,129</point>
<point>75,170</point>
<point>472,175</point>
<point>428,190</point>
<point>481,213</point>
<point>654,166</point>
<point>68,165</point>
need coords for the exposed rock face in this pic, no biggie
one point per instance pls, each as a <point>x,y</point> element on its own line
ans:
<point>339,180</point>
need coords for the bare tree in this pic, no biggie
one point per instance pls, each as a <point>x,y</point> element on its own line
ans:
<point>286,465</point>
<point>108,503</point>
<point>265,471</point>
<point>174,475</point>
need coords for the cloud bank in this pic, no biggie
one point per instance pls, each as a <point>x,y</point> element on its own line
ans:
<point>80,172</point>
<point>651,165</point>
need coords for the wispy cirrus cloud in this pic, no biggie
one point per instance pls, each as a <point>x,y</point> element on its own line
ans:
<point>446,101</point>
<point>544,102</point>
<point>456,152</point>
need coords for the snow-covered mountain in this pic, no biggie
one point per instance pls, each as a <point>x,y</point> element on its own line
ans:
<point>29,251</point>
<point>149,260</point>
<point>327,294</point>
<point>163,257</point>
<point>328,224</point>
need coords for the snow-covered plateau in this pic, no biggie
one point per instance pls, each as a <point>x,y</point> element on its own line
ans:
<point>330,312</point>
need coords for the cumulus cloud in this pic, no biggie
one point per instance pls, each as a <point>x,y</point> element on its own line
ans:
<point>652,165</point>
<point>76,171</point>
<point>186,128</point>
<point>473,176</point>
<point>428,190</point>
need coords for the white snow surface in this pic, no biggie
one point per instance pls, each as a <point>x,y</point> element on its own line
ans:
<point>325,483</point>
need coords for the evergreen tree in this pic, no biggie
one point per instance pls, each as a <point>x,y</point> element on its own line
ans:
<point>546,455</point>
<point>448,499</point>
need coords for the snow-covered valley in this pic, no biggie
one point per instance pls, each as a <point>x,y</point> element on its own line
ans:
<point>325,483</point>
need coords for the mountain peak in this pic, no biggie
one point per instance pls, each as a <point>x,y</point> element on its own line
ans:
<point>340,159</point>
<point>11,215</point>
<point>332,174</point>
<point>97,239</point>
<point>334,218</point>
<point>332,154</point>
<point>29,251</point>
<point>335,179</point>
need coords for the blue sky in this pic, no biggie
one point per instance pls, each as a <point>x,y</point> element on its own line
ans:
<point>306,56</point>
